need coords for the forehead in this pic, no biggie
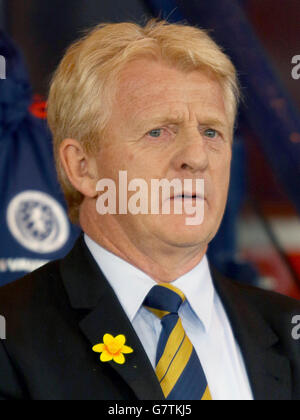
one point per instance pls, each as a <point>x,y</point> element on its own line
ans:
<point>154,88</point>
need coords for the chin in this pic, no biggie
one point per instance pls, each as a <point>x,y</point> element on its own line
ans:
<point>181,235</point>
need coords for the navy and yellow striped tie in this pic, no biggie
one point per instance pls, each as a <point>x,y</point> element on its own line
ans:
<point>178,368</point>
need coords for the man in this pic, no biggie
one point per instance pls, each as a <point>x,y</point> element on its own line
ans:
<point>135,311</point>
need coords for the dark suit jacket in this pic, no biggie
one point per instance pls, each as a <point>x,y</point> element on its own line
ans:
<point>56,314</point>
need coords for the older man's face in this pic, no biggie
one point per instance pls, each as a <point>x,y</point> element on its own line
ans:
<point>167,124</point>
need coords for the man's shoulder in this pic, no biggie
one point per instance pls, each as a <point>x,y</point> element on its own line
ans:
<point>275,308</point>
<point>266,299</point>
<point>33,290</point>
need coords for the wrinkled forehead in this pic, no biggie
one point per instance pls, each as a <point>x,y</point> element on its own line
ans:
<point>153,88</point>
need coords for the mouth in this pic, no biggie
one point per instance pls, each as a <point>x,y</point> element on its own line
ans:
<point>187,196</point>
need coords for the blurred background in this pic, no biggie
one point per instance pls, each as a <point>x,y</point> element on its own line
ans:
<point>259,240</point>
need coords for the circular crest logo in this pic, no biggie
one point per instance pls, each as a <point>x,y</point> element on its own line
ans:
<point>38,222</point>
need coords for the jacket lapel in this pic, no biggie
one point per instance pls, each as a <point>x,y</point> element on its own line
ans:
<point>88,289</point>
<point>269,372</point>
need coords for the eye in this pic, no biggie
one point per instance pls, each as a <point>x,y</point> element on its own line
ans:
<point>211,133</point>
<point>155,133</point>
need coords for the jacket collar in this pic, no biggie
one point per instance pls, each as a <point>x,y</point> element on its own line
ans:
<point>88,289</point>
<point>269,372</point>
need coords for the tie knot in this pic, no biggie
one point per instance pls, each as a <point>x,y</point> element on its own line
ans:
<point>164,299</point>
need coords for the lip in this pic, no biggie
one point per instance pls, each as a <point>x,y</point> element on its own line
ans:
<point>187,196</point>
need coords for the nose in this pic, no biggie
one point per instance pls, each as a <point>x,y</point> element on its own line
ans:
<point>192,155</point>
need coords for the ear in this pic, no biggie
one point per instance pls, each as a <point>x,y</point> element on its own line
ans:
<point>80,168</point>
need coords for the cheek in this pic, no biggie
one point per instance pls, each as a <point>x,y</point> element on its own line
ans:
<point>110,161</point>
<point>224,168</point>
<point>130,157</point>
<point>222,180</point>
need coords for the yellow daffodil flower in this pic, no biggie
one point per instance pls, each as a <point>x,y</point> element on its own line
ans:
<point>113,348</point>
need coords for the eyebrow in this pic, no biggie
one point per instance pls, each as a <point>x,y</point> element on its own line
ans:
<point>215,122</point>
<point>159,121</point>
<point>206,121</point>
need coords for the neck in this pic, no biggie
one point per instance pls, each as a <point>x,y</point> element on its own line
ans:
<point>163,263</point>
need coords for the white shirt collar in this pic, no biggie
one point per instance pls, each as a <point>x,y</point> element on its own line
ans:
<point>198,288</point>
<point>132,285</point>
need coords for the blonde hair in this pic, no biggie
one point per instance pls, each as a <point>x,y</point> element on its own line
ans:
<point>84,85</point>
